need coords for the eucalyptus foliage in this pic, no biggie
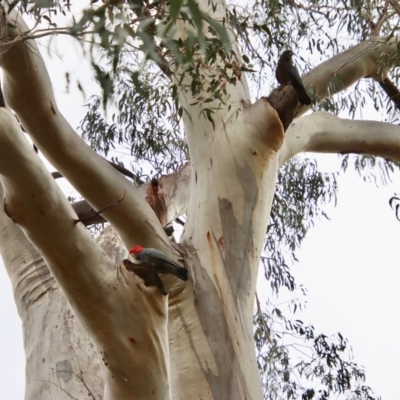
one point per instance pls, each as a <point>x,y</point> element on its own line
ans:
<point>143,118</point>
<point>325,368</point>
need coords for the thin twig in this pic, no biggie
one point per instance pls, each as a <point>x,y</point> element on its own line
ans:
<point>262,318</point>
<point>79,377</point>
<point>83,382</point>
<point>395,5</point>
<point>55,384</point>
<point>102,210</point>
<point>47,32</point>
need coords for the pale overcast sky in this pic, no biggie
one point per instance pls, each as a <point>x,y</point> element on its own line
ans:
<point>349,265</point>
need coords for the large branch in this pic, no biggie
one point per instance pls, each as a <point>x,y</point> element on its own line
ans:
<point>28,90</point>
<point>168,196</point>
<point>344,69</point>
<point>322,132</point>
<point>127,321</point>
<point>45,313</point>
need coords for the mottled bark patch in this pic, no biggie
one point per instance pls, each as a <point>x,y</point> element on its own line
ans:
<point>64,370</point>
<point>220,242</point>
<point>228,382</point>
<point>52,108</point>
<point>8,213</point>
<point>238,236</point>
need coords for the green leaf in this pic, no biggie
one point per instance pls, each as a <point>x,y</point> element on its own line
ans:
<point>196,15</point>
<point>47,18</point>
<point>221,31</point>
<point>44,3</point>
<point>12,5</point>
<point>175,7</point>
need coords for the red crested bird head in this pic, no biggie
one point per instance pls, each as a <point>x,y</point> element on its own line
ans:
<point>136,249</point>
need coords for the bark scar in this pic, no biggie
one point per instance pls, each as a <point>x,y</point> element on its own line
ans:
<point>8,213</point>
<point>52,108</point>
<point>156,198</point>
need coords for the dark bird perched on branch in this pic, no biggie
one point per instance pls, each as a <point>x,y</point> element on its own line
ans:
<point>286,72</point>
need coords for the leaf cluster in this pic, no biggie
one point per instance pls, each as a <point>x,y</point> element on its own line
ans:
<point>144,121</point>
<point>301,190</point>
<point>326,367</point>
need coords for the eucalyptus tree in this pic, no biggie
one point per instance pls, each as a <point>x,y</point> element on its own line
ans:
<point>176,75</point>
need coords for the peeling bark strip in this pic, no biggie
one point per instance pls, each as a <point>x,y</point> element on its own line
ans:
<point>156,198</point>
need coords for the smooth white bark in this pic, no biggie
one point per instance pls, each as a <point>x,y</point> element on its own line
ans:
<point>322,132</point>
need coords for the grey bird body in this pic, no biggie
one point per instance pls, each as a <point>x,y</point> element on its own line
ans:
<point>286,72</point>
<point>161,263</point>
